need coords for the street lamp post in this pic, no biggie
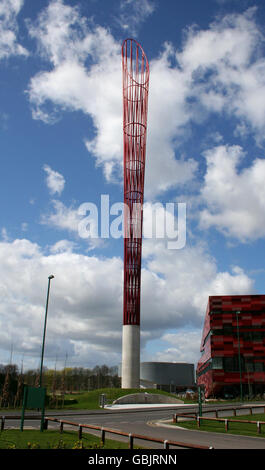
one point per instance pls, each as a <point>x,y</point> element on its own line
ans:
<point>44,330</point>
<point>239,356</point>
<point>200,400</point>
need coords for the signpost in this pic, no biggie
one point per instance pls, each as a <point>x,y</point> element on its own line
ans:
<point>200,400</point>
<point>34,397</point>
<point>102,400</point>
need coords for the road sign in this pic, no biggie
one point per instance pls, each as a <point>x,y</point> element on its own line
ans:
<point>34,397</point>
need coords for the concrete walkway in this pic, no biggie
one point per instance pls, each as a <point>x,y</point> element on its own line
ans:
<point>145,406</point>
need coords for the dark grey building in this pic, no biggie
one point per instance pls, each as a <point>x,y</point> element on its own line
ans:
<point>170,376</point>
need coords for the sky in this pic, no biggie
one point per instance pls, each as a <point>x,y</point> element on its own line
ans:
<point>61,154</point>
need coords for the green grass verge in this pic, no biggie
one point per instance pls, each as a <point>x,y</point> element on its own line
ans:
<point>243,429</point>
<point>31,439</point>
<point>90,400</point>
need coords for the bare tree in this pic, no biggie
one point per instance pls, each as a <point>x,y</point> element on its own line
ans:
<point>5,398</point>
<point>20,386</point>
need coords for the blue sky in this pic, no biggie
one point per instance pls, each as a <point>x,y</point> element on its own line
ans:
<point>61,147</point>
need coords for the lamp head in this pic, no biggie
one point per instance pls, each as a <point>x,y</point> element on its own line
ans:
<point>51,276</point>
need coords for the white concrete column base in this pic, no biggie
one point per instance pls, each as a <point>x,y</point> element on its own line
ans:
<point>130,372</point>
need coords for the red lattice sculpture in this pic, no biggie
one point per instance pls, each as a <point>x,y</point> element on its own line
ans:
<point>135,101</point>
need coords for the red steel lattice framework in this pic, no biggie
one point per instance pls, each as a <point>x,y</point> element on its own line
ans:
<point>135,102</point>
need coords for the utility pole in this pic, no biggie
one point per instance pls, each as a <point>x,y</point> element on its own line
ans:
<point>239,356</point>
<point>44,329</point>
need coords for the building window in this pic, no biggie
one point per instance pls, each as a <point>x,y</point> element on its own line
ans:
<point>217,363</point>
<point>227,330</point>
<point>249,366</point>
<point>218,332</point>
<point>247,335</point>
<point>257,335</point>
<point>229,364</point>
<point>259,366</point>
<point>207,337</point>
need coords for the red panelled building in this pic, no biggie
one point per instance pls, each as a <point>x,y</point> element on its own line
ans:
<point>233,346</point>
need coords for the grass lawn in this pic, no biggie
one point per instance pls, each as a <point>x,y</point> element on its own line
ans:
<point>90,400</point>
<point>234,428</point>
<point>31,439</point>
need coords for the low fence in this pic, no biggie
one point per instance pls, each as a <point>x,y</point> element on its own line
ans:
<point>15,417</point>
<point>226,421</point>
<point>104,430</point>
<point>131,437</point>
<point>216,411</point>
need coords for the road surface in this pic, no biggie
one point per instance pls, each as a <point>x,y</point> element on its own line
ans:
<point>148,422</point>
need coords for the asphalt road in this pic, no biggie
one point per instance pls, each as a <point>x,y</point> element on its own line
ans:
<point>148,422</point>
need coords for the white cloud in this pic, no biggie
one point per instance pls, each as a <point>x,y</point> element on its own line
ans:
<point>184,279</point>
<point>4,117</point>
<point>56,24</point>
<point>68,219</point>
<point>78,313</point>
<point>218,70</point>
<point>133,13</point>
<point>226,65</point>
<point>63,246</point>
<point>4,234</point>
<point>54,180</point>
<point>85,308</point>
<point>24,226</point>
<point>221,44</point>
<point>184,346</point>
<point>63,217</point>
<point>9,9</point>
<point>168,114</point>
<point>86,76</point>
<point>234,198</point>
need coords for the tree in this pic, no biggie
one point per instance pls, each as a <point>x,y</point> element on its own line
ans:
<point>19,394</point>
<point>5,398</point>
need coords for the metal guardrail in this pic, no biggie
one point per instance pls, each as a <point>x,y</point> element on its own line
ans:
<point>233,408</point>
<point>15,417</point>
<point>166,443</point>
<point>226,421</point>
